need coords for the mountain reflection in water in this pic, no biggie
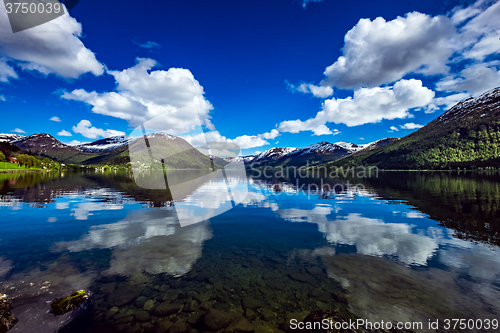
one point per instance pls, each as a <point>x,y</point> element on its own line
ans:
<point>401,247</point>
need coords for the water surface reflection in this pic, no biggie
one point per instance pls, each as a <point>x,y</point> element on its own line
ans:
<point>402,247</point>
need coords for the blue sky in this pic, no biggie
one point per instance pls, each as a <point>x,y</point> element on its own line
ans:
<point>259,73</point>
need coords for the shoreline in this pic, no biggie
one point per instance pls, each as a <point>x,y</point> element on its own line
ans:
<point>21,170</point>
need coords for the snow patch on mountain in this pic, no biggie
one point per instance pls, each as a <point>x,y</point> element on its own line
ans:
<point>467,108</point>
<point>274,153</point>
<point>105,145</point>
<point>7,137</point>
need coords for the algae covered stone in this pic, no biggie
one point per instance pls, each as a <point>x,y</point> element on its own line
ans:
<point>66,304</point>
<point>7,321</point>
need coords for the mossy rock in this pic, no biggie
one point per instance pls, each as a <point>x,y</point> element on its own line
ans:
<point>66,304</point>
<point>7,321</point>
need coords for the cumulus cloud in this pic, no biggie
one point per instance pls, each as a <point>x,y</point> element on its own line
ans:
<point>379,51</point>
<point>18,130</point>
<point>458,46</point>
<point>394,129</point>
<point>51,48</point>
<point>368,105</point>
<point>411,126</point>
<point>271,135</point>
<point>64,133</point>
<point>55,119</point>
<point>244,141</point>
<point>86,129</point>
<point>143,94</point>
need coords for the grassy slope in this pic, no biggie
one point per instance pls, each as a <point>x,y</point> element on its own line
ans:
<point>10,166</point>
<point>448,142</point>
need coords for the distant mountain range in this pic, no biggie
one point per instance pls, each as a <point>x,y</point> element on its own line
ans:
<point>467,135</point>
<point>113,150</point>
<point>311,155</point>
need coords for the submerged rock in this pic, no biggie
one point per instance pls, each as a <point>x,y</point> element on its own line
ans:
<point>68,303</point>
<point>149,305</point>
<point>165,309</point>
<point>123,295</point>
<point>216,320</point>
<point>7,321</point>
<point>75,309</point>
<point>240,325</point>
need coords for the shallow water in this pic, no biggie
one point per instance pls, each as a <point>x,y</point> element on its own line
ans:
<point>400,247</point>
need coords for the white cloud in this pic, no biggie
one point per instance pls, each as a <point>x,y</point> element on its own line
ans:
<point>2,98</point>
<point>271,135</point>
<point>86,129</point>
<point>478,37</point>
<point>379,51</point>
<point>317,91</point>
<point>18,130</point>
<point>243,141</point>
<point>55,119</point>
<point>411,126</point>
<point>249,141</point>
<point>458,46</point>
<point>369,105</point>
<point>64,133</point>
<point>143,94</point>
<point>474,79</point>
<point>76,143</point>
<point>50,48</point>
<point>322,130</point>
<point>394,128</point>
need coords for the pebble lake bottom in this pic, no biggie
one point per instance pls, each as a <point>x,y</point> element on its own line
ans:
<point>408,248</point>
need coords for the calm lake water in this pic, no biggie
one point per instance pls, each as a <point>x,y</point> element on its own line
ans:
<point>400,247</point>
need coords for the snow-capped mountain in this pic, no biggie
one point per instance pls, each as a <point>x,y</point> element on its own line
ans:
<point>323,148</point>
<point>273,154</point>
<point>376,144</point>
<point>480,106</point>
<point>105,145</point>
<point>351,146</point>
<point>7,137</point>
<point>244,159</point>
<point>40,143</point>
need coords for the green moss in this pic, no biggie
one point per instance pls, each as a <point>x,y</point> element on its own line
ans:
<point>65,304</point>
